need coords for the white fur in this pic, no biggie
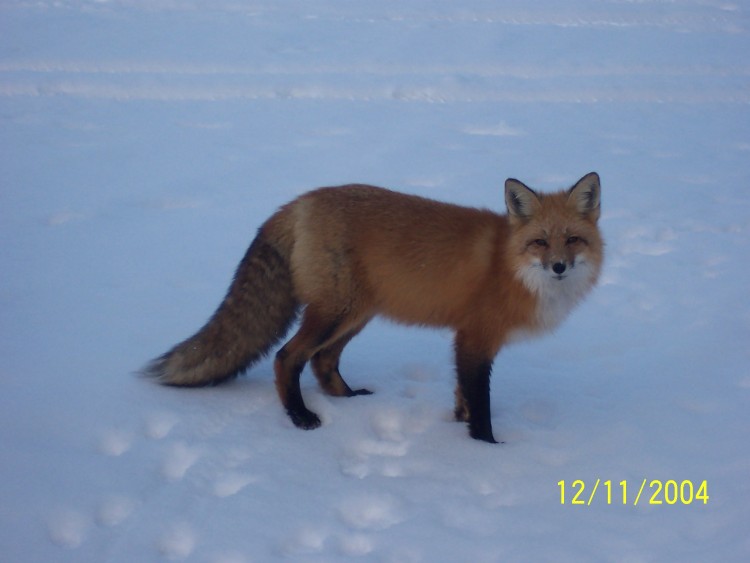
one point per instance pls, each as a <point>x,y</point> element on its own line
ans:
<point>557,297</point>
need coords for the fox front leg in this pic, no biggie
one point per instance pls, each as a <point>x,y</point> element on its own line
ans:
<point>473,393</point>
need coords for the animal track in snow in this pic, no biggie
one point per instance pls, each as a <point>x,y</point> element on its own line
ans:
<point>159,425</point>
<point>385,454</point>
<point>61,218</point>
<point>115,442</point>
<point>114,510</point>
<point>370,512</point>
<point>231,483</point>
<point>390,443</point>
<point>305,541</point>
<point>177,542</point>
<point>495,496</point>
<point>311,540</point>
<point>67,528</point>
<point>355,545</point>
<point>180,458</point>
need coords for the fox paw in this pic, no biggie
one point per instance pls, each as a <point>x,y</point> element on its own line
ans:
<point>305,419</point>
<point>484,437</point>
<point>356,392</point>
<point>482,432</point>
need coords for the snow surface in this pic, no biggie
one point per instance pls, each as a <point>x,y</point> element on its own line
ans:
<point>143,142</point>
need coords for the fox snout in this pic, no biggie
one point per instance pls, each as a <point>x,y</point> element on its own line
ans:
<point>560,269</point>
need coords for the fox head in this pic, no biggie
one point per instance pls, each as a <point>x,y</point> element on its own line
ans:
<point>555,244</point>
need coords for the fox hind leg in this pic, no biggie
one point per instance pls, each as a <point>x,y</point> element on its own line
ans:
<point>325,365</point>
<point>288,369</point>
<point>314,331</point>
<point>318,332</point>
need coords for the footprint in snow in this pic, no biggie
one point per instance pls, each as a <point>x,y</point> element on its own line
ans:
<point>355,545</point>
<point>382,453</point>
<point>114,510</point>
<point>159,425</point>
<point>311,540</point>
<point>64,217</point>
<point>370,512</point>
<point>231,483</point>
<point>177,542</point>
<point>67,528</point>
<point>180,457</point>
<point>307,540</point>
<point>115,442</point>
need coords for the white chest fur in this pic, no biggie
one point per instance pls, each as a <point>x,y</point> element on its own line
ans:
<point>557,295</point>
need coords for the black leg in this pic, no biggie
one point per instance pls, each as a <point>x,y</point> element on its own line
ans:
<point>314,331</point>
<point>473,394</point>
<point>287,384</point>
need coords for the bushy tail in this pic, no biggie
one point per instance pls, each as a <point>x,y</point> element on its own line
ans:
<point>255,314</point>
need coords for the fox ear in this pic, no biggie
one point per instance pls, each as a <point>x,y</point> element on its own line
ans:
<point>585,196</point>
<point>520,199</point>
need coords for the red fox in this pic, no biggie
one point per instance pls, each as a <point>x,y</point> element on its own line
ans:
<point>343,255</point>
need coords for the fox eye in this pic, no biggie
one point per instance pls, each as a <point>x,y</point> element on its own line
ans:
<point>540,242</point>
<point>573,240</point>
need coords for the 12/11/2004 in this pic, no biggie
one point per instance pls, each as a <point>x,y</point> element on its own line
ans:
<point>656,492</point>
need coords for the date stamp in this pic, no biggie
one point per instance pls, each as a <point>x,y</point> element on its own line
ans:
<point>654,491</point>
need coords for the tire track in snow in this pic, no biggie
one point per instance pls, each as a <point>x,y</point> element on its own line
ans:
<point>131,81</point>
<point>686,16</point>
<point>372,80</point>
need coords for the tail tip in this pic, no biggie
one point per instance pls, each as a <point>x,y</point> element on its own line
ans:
<point>170,370</point>
<point>156,370</point>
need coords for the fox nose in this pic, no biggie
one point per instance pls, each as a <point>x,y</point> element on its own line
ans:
<point>558,268</point>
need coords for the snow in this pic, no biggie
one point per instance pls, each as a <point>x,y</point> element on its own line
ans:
<point>143,144</point>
